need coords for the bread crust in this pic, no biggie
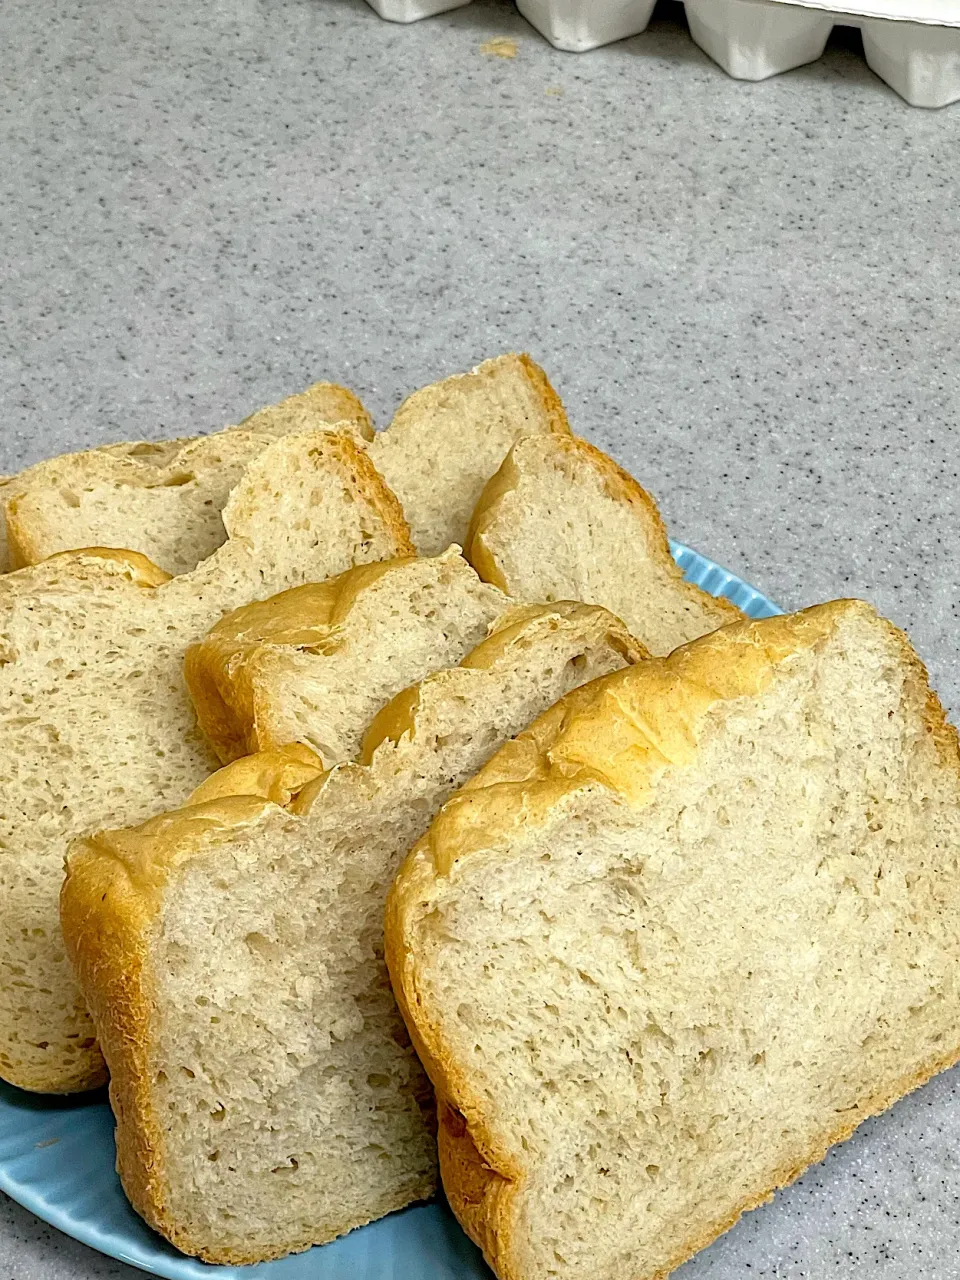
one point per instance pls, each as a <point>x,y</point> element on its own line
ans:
<point>620,486</point>
<point>568,750</point>
<point>556,414</point>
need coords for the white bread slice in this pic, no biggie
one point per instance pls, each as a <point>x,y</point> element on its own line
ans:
<point>685,933</point>
<point>561,521</point>
<point>266,1094</point>
<point>95,721</point>
<point>447,440</point>
<point>316,663</point>
<point>162,499</point>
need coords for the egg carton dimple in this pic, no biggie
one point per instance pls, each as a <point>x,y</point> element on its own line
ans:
<point>413,10</point>
<point>754,39</point>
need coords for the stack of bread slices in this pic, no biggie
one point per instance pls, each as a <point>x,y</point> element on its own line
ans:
<point>421,821</point>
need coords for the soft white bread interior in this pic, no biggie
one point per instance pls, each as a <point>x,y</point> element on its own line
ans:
<point>685,933</point>
<point>316,663</point>
<point>266,1094</point>
<point>95,721</point>
<point>447,440</point>
<point>561,521</point>
<point>162,499</point>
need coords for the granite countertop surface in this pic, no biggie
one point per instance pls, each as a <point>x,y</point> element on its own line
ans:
<point>747,293</point>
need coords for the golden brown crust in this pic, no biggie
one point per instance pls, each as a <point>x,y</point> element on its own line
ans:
<point>106,916</point>
<point>479,1196</point>
<point>20,550</point>
<point>144,572</point>
<point>619,733</point>
<point>475,549</point>
<point>553,408</point>
<point>223,671</point>
<point>515,623</point>
<point>278,775</point>
<point>619,485</point>
<point>102,919</point>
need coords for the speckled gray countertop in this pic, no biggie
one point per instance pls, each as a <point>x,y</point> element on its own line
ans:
<point>748,293</point>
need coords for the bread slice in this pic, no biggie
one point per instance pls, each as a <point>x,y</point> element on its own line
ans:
<point>95,721</point>
<point>266,1094</point>
<point>316,663</point>
<point>692,928</point>
<point>447,440</point>
<point>162,499</point>
<point>561,521</point>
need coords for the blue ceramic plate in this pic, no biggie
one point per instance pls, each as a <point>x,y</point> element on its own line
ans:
<point>57,1156</point>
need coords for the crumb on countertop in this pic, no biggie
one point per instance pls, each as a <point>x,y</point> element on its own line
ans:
<point>500,47</point>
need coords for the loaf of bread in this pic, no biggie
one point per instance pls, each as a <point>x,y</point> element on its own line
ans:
<point>447,440</point>
<point>266,1094</point>
<point>95,721</point>
<point>561,521</point>
<point>164,500</point>
<point>316,663</point>
<point>689,930</point>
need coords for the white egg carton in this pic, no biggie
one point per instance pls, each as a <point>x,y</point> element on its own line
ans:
<point>917,54</point>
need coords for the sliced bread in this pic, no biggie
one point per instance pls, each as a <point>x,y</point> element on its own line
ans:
<point>447,440</point>
<point>561,521</point>
<point>266,1094</point>
<point>162,499</point>
<point>95,721</point>
<point>316,663</point>
<point>689,930</point>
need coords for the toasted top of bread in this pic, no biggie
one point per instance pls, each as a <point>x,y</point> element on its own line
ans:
<point>561,521</point>
<point>162,499</point>
<point>95,720</point>
<point>446,440</point>
<point>684,933</point>
<point>265,1091</point>
<point>316,663</point>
